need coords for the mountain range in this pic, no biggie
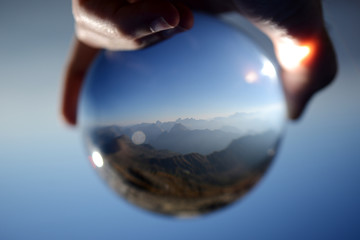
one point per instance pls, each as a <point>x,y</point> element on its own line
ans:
<point>183,135</point>
<point>177,170</point>
<point>173,183</point>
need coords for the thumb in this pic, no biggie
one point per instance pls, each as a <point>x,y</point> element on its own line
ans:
<point>118,24</point>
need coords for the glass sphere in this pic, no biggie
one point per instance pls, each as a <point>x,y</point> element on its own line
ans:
<point>186,126</point>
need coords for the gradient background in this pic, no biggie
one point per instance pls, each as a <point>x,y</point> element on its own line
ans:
<point>49,191</point>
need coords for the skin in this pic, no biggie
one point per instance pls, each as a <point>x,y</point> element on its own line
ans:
<point>135,24</point>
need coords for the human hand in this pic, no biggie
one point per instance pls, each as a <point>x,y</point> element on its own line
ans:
<point>116,25</point>
<point>301,42</point>
<point>296,29</point>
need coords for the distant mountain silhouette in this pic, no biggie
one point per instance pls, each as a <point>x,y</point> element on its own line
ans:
<point>178,128</point>
<point>246,153</point>
<point>178,138</point>
<point>185,135</point>
<point>182,140</point>
<point>173,183</point>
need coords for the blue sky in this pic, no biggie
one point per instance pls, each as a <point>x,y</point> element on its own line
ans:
<point>49,191</point>
<point>190,76</point>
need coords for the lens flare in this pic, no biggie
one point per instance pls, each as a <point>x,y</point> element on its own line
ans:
<point>97,159</point>
<point>269,70</point>
<point>291,54</point>
<point>251,77</point>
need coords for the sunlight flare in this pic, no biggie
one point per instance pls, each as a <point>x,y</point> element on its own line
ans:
<point>291,54</point>
<point>97,159</point>
<point>251,77</point>
<point>268,70</point>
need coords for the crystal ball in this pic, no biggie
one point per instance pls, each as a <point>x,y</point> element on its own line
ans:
<point>186,126</point>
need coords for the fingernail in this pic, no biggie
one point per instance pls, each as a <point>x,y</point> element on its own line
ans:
<point>173,31</point>
<point>160,24</point>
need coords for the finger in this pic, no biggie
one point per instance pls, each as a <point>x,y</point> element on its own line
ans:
<point>82,56</point>
<point>313,74</point>
<point>122,22</point>
<point>186,16</point>
<point>186,22</point>
<point>80,60</point>
<point>302,46</point>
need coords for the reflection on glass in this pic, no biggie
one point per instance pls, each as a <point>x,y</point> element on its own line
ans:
<point>186,126</point>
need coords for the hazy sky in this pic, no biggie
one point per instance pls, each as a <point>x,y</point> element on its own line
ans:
<point>49,191</point>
